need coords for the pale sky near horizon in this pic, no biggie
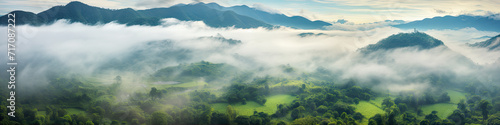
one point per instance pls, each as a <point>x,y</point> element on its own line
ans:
<point>355,11</point>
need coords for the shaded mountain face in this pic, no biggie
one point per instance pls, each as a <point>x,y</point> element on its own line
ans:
<point>416,39</point>
<point>211,14</point>
<point>270,18</point>
<point>411,49</point>
<point>83,13</point>
<point>454,22</point>
<point>491,44</point>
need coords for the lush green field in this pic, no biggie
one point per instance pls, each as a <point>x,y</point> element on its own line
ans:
<point>368,110</point>
<point>455,96</point>
<point>444,109</point>
<point>377,101</point>
<point>251,106</point>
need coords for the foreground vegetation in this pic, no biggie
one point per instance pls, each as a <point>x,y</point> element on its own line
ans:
<point>176,95</point>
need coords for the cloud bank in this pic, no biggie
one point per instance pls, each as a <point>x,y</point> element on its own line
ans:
<point>81,49</point>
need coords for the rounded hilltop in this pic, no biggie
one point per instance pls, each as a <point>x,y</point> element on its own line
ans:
<point>416,39</point>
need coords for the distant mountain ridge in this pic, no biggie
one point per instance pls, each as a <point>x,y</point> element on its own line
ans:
<point>483,23</point>
<point>416,39</point>
<point>79,12</point>
<point>211,14</point>
<point>491,44</point>
<point>274,19</point>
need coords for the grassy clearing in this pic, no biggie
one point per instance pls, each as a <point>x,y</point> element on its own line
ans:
<point>251,106</point>
<point>377,101</point>
<point>444,109</point>
<point>368,110</point>
<point>455,96</point>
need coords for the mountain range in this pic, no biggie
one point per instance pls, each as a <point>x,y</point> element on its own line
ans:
<point>211,14</point>
<point>271,18</point>
<point>83,13</point>
<point>483,23</point>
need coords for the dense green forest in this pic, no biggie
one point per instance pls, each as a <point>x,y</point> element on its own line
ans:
<point>174,95</point>
<point>271,63</point>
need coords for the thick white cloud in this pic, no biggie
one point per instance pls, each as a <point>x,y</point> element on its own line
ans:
<point>83,49</point>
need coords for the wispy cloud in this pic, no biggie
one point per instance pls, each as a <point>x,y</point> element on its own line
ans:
<point>265,8</point>
<point>416,9</point>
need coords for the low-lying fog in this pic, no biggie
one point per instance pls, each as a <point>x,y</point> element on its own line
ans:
<point>88,50</point>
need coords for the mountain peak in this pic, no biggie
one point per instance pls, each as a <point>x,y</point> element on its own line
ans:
<point>415,39</point>
<point>76,3</point>
<point>491,44</point>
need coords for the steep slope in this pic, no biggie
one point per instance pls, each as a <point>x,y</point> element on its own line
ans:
<point>411,48</point>
<point>454,22</point>
<point>83,13</point>
<point>22,17</point>
<point>491,44</point>
<point>270,18</point>
<point>419,40</point>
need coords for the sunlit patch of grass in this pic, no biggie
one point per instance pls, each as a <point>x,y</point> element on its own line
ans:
<point>368,110</point>
<point>443,109</point>
<point>270,107</point>
<point>455,96</point>
<point>377,101</point>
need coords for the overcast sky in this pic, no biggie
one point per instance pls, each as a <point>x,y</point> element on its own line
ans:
<point>355,11</point>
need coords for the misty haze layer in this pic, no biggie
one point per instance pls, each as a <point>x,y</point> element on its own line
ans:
<point>105,49</point>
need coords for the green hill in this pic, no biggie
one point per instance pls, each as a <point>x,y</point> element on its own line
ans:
<point>419,40</point>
